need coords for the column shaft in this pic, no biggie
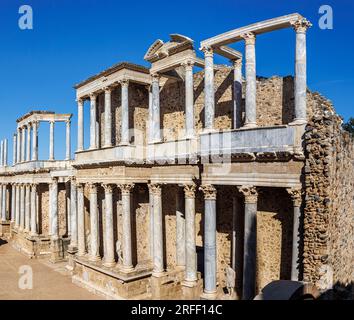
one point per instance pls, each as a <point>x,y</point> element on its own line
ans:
<point>23,144</point>
<point>151,116</point>
<point>107,117</point>
<point>51,140</point>
<point>3,202</point>
<point>94,224</point>
<point>80,125</point>
<point>17,210</point>
<point>237,93</point>
<point>151,225</point>
<point>54,222</point>
<point>73,215</point>
<point>158,234</point>
<point>156,108</point>
<point>22,207</point>
<point>27,208</point>
<point>68,141</point>
<point>5,153</point>
<point>209,104</point>
<point>33,210</point>
<point>109,260</point>
<point>18,154</point>
<point>35,140</point>
<point>14,149</point>
<point>13,202</point>
<point>125,112</point>
<point>93,116</point>
<point>180,229</point>
<point>81,221</point>
<point>28,145</point>
<point>189,107</point>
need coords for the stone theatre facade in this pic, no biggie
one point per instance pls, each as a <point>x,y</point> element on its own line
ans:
<point>191,184</point>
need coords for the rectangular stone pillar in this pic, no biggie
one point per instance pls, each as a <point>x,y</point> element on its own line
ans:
<point>80,125</point>
<point>209,91</point>
<point>189,104</point>
<point>190,244</point>
<point>34,208</point>
<point>209,241</point>
<point>68,141</point>
<point>81,220</point>
<point>250,242</point>
<point>251,81</point>
<point>51,140</point>
<point>94,224</point>
<point>35,125</point>
<point>109,260</point>
<point>156,108</point>
<point>180,229</point>
<point>93,116</point>
<point>108,117</point>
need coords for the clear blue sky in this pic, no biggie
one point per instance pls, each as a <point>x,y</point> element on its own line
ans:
<point>72,40</point>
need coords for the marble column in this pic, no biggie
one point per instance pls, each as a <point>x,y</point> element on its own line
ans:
<point>73,214</point>
<point>109,260</point>
<point>22,207</point>
<point>151,224</point>
<point>209,91</point>
<point>126,226</point>
<point>3,202</point>
<point>190,244</point>
<point>68,140</point>
<point>155,104</point>
<point>237,93</point>
<point>35,125</point>
<point>80,124</point>
<point>19,138</point>
<point>150,116</point>
<point>14,149</point>
<point>94,224</point>
<point>125,112</point>
<point>34,206</point>
<point>296,200</point>
<point>108,117</point>
<point>68,207</point>
<point>189,103</point>
<point>93,116</point>
<point>81,245</point>
<point>251,81</point>
<point>5,153</point>
<point>2,153</point>
<point>158,231</point>
<point>209,240</point>
<point>250,242</point>
<point>180,229</point>
<point>17,211</point>
<point>13,202</point>
<point>54,222</point>
<point>51,140</point>
<point>23,144</point>
<point>300,27</point>
<point>27,207</point>
<point>28,145</point>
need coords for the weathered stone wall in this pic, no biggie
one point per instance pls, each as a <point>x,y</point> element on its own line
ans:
<point>43,209</point>
<point>329,212</point>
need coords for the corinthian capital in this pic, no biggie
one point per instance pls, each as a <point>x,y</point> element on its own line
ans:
<point>250,193</point>
<point>189,191</point>
<point>301,25</point>
<point>249,37</point>
<point>92,187</point>
<point>209,191</point>
<point>295,194</point>
<point>188,65</point>
<point>108,188</point>
<point>155,189</point>
<point>208,51</point>
<point>126,188</point>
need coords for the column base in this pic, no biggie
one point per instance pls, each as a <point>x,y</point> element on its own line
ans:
<point>298,122</point>
<point>249,125</point>
<point>206,295</point>
<point>109,264</point>
<point>158,274</point>
<point>123,144</point>
<point>94,259</point>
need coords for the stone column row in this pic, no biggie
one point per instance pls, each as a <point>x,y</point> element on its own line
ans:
<point>22,142</point>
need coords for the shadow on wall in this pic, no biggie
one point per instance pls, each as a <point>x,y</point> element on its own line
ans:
<point>2,242</point>
<point>339,291</point>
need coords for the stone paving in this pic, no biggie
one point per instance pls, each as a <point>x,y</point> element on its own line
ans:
<point>49,282</point>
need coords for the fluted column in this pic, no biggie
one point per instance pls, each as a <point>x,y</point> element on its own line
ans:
<point>17,210</point>
<point>80,220</point>
<point>180,229</point>
<point>34,207</point>
<point>300,27</point>
<point>109,260</point>
<point>93,116</point>
<point>80,125</point>
<point>28,145</point>
<point>209,93</point>
<point>35,125</point>
<point>127,231</point>
<point>94,224</point>
<point>27,207</point>
<point>22,207</point>
<point>23,144</point>
<point>13,202</point>
<point>68,141</point>
<point>73,215</point>
<point>191,253</point>
<point>54,222</point>
<point>19,138</point>
<point>189,101</point>
<point>209,240</point>
<point>250,242</point>
<point>155,87</point>
<point>108,117</point>
<point>251,81</point>
<point>296,200</point>
<point>158,234</point>
<point>237,93</point>
<point>125,112</point>
<point>51,140</point>
<point>14,149</point>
